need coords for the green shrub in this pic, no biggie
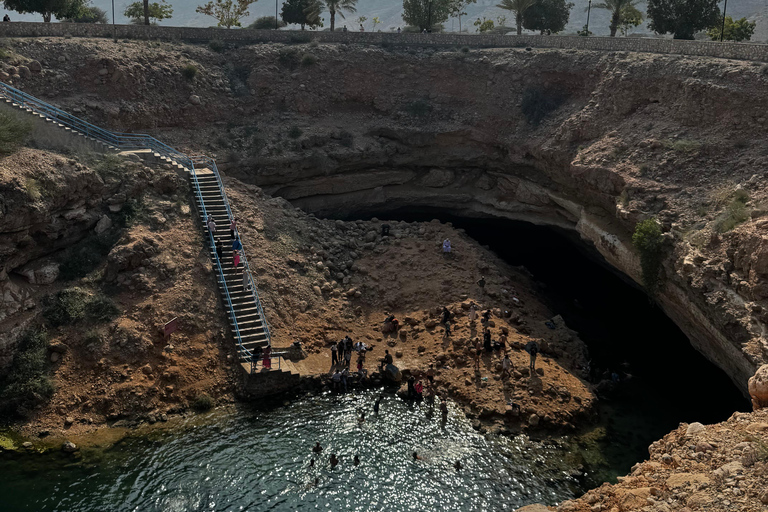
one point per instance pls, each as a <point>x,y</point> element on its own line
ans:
<point>295,132</point>
<point>216,45</point>
<point>26,383</point>
<point>648,241</point>
<point>266,23</point>
<point>308,60</point>
<point>102,309</point>
<point>683,145</point>
<point>202,403</point>
<point>418,108</point>
<point>189,72</point>
<point>73,305</point>
<point>314,43</point>
<point>735,213</point>
<point>66,306</point>
<point>288,57</point>
<point>109,165</point>
<point>92,337</point>
<point>538,103</point>
<point>14,131</point>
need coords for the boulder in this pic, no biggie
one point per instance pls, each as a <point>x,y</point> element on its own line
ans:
<point>195,99</point>
<point>695,428</point>
<point>35,66</point>
<point>47,274</point>
<point>24,72</point>
<point>104,224</point>
<point>758,388</point>
<point>69,447</point>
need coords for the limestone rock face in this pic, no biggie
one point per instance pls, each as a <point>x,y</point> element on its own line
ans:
<point>758,388</point>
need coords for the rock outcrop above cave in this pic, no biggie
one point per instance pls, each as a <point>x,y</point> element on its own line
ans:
<point>758,388</point>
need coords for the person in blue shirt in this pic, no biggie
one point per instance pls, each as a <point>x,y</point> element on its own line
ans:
<point>237,245</point>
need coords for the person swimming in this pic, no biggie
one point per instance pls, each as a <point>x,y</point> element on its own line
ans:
<point>376,405</point>
<point>317,448</point>
<point>457,465</point>
<point>312,463</point>
<point>416,456</point>
<point>357,460</point>
<point>361,419</point>
<point>334,460</point>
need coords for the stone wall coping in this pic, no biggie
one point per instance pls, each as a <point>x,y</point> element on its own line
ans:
<point>736,51</point>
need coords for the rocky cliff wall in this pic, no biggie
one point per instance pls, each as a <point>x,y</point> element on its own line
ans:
<point>588,141</point>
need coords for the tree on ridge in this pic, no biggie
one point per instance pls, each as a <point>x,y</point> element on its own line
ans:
<point>518,7</point>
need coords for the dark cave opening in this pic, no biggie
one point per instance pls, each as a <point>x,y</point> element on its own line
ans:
<point>663,380</point>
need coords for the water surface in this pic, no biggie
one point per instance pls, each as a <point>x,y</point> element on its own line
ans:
<point>260,460</point>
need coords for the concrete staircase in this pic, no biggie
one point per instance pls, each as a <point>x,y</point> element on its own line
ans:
<point>249,321</point>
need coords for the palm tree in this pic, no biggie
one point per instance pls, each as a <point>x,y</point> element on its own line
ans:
<point>339,6</point>
<point>618,9</point>
<point>519,7</point>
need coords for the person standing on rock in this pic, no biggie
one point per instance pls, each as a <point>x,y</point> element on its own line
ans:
<point>6,18</point>
<point>385,229</point>
<point>478,353</point>
<point>232,227</point>
<point>431,375</point>
<point>533,349</point>
<point>503,342</point>
<point>506,367</point>
<point>344,377</point>
<point>340,347</point>
<point>486,316</point>
<point>487,341</point>
<point>347,358</point>
<point>446,317</point>
<point>472,313</point>
<point>481,284</point>
<point>334,354</point>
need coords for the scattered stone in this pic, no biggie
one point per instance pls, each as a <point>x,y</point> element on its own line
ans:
<point>695,428</point>
<point>69,447</point>
<point>195,99</point>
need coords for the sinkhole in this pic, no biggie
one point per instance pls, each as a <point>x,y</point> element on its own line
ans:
<point>663,380</point>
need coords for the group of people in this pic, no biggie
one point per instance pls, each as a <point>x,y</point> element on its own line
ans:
<point>341,357</point>
<point>236,248</point>
<point>489,346</point>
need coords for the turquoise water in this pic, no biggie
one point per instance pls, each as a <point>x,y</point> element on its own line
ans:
<point>259,460</point>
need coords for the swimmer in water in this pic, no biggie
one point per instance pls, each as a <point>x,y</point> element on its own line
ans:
<point>361,419</point>
<point>312,463</point>
<point>457,465</point>
<point>334,460</point>
<point>416,456</point>
<point>317,448</point>
<point>376,405</point>
<point>357,460</point>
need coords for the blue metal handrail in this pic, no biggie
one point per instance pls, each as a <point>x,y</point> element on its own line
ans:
<point>133,141</point>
